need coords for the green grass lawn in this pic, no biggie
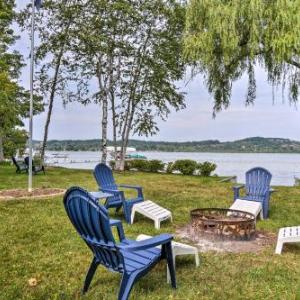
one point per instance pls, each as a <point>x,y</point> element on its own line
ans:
<point>38,241</point>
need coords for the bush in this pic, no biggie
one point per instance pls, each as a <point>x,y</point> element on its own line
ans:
<point>155,165</point>
<point>138,164</point>
<point>112,164</point>
<point>169,169</point>
<point>206,168</point>
<point>185,166</point>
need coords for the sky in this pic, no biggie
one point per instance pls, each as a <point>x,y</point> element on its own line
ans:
<point>264,118</point>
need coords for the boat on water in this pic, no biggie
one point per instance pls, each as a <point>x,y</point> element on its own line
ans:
<point>135,156</point>
<point>59,155</point>
<point>130,153</point>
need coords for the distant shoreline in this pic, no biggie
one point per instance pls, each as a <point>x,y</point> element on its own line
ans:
<point>248,145</point>
<point>158,151</point>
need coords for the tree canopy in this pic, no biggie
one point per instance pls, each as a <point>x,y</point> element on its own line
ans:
<point>14,100</point>
<point>226,38</point>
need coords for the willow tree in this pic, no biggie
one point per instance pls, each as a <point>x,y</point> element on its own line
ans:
<point>226,39</point>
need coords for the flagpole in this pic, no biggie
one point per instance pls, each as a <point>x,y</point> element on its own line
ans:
<point>31,96</point>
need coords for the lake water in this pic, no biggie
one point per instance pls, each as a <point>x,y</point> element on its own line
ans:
<point>284,167</point>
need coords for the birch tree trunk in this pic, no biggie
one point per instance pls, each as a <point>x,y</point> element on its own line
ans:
<point>104,129</point>
<point>114,123</point>
<point>1,148</point>
<point>50,108</point>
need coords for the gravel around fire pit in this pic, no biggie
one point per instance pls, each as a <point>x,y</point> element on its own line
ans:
<point>207,243</point>
<point>35,194</point>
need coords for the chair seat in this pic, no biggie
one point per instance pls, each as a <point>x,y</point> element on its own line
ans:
<point>139,259</point>
<point>253,207</point>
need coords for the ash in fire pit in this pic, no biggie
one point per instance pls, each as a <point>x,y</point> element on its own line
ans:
<point>224,223</point>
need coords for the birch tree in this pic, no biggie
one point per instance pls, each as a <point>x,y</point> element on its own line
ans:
<point>152,66</point>
<point>55,24</point>
<point>100,48</point>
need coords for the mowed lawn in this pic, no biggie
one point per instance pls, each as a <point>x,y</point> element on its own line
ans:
<point>38,241</point>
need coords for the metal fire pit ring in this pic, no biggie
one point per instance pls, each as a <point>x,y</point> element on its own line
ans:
<point>224,223</point>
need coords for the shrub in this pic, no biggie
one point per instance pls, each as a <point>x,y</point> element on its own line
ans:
<point>206,168</point>
<point>185,166</point>
<point>138,164</point>
<point>112,164</point>
<point>169,169</point>
<point>155,165</point>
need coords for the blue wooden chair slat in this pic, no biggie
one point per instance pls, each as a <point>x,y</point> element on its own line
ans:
<point>106,182</point>
<point>257,188</point>
<point>130,258</point>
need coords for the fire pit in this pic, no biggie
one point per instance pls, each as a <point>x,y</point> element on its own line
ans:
<point>224,223</point>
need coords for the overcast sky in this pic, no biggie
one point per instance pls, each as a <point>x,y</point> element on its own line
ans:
<point>194,123</point>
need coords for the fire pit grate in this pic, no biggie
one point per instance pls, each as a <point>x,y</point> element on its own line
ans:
<point>224,223</point>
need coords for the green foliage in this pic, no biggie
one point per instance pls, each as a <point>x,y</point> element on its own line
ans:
<point>169,168</point>
<point>185,166</point>
<point>225,39</point>
<point>14,100</point>
<point>206,168</point>
<point>14,140</point>
<point>139,164</point>
<point>112,164</point>
<point>153,165</point>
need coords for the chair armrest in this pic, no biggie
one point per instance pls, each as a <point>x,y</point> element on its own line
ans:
<point>272,190</point>
<point>238,187</point>
<point>236,191</point>
<point>114,193</point>
<point>139,189</point>
<point>119,226</point>
<point>146,244</point>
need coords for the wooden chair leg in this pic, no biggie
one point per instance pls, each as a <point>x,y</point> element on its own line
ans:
<point>90,275</point>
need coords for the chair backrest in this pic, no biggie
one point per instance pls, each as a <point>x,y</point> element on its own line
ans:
<point>91,221</point>
<point>26,160</point>
<point>257,181</point>
<point>104,177</point>
<point>15,161</point>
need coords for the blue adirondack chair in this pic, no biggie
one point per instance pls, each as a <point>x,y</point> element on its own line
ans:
<point>130,258</point>
<point>105,179</point>
<point>257,188</point>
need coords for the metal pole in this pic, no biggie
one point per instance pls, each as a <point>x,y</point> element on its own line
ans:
<point>31,97</point>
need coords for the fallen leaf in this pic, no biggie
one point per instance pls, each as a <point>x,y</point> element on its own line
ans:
<point>32,282</point>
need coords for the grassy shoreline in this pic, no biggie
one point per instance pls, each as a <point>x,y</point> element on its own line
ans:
<point>39,242</point>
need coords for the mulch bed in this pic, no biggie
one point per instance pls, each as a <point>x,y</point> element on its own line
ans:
<point>37,193</point>
<point>205,243</point>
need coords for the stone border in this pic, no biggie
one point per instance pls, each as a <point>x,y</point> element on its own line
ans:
<point>59,192</point>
